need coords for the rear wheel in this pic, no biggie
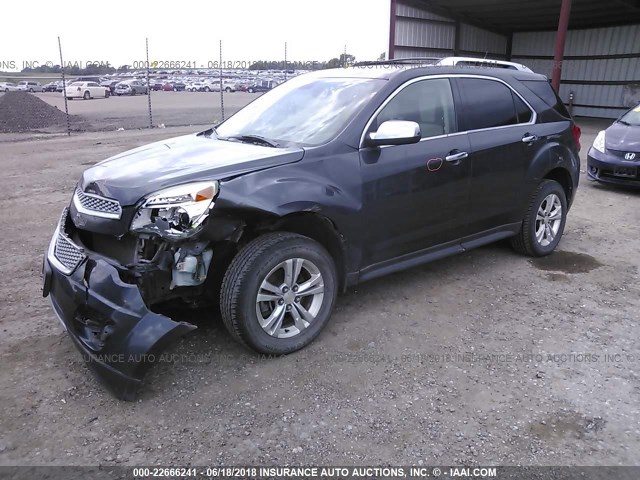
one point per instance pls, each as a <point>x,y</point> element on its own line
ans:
<point>133,92</point>
<point>250,90</point>
<point>544,222</point>
<point>278,293</point>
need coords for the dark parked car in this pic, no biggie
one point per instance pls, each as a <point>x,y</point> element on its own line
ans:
<point>615,155</point>
<point>268,216</point>
<point>111,85</point>
<point>51,87</point>
<point>261,86</point>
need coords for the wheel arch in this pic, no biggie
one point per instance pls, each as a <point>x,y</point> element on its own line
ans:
<point>563,177</point>
<point>239,229</point>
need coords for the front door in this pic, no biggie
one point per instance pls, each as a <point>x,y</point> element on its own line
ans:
<point>416,196</point>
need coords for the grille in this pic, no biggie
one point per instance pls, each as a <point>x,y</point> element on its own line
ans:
<point>96,205</point>
<point>67,252</point>
<point>621,154</point>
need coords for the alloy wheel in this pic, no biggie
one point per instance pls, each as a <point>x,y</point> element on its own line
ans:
<point>548,219</point>
<point>289,298</point>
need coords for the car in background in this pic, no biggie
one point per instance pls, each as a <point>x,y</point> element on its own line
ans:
<point>614,156</point>
<point>8,87</point>
<point>111,85</point>
<point>178,86</point>
<point>262,86</point>
<point>131,87</point>
<point>196,87</point>
<point>50,87</point>
<point>156,86</point>
<point>86,90</point>
<point>29,86</point>
<point>168,87</point>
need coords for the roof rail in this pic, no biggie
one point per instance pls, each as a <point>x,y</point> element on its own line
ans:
<point>400,61</point>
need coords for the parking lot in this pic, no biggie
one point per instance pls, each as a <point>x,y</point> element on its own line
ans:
<point>487,357</point>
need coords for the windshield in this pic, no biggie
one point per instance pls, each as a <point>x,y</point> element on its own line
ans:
<point>632,117</point>
<point>305,110</point>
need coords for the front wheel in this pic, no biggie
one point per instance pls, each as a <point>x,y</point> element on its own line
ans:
<point>86,96</point>
<point>544,222</point>
<point>278,293</point>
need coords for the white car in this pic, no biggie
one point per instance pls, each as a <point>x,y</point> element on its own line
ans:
<point>195,87</point>
<point>481,62</point>
<point>86,90</point>
<point>28,86</point>
<point>7,87</point>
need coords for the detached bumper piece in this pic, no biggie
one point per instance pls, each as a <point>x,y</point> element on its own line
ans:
<point>107,319</point>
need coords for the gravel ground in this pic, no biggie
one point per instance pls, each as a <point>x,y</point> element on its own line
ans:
<point>23,112</point>
<point>168,108</point>
<point>483,358</point>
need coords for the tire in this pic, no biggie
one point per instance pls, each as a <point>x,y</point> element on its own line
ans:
<point>542,216</point>
<point>250,90</point>
<point>228,90</point>
<point>107,94</point>
<point>86,95</point>
<point>31,90</point>
<point>207,89</point>
<point>261,260</point>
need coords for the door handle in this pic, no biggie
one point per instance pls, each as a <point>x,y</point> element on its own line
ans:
<point>528,138</point>
<point>456,157</point>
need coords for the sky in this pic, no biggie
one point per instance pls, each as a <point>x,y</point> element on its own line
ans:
<point>185,31</point>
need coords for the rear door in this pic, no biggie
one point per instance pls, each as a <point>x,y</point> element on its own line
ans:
<point>502,134</point>
<point>413,197</point>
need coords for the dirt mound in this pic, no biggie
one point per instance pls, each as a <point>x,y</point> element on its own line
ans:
<point>24,112</point>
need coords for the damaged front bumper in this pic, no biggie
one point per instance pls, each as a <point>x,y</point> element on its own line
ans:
<point>107,318</point>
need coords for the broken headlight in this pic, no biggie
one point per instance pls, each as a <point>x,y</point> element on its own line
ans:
<point>176,212</point>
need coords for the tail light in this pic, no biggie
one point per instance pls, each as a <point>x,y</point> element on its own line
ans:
<point>576,135</point>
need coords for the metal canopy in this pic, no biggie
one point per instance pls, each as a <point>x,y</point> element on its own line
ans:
<point>508,16</point>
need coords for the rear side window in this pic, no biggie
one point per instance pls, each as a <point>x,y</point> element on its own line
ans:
<point>524,113</point>
<point>429,103</point>
<point>547,94</point>
<point>486,104</point>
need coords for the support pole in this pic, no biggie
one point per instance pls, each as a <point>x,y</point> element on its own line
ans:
<point>64,88</point>
<point>392,30</point>
<point>563,25</point>
<point>146,42</point>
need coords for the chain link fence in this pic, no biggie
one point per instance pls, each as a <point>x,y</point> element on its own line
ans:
<point>152,92</point>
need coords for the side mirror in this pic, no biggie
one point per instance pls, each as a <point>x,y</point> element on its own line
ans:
<point>395,132</point>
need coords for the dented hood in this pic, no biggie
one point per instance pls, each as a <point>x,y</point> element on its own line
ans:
<point>131,175</point>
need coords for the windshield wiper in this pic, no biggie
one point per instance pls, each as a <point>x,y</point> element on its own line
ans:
<point>624,123</point>
<point>255,139</point>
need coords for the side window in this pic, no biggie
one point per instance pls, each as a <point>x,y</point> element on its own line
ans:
<point>429,103</point>
<point>93,84</point>
<point>524,112</point>
<point>486,104</point>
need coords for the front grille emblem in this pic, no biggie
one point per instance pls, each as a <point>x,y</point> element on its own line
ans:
<point>630,156</point>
